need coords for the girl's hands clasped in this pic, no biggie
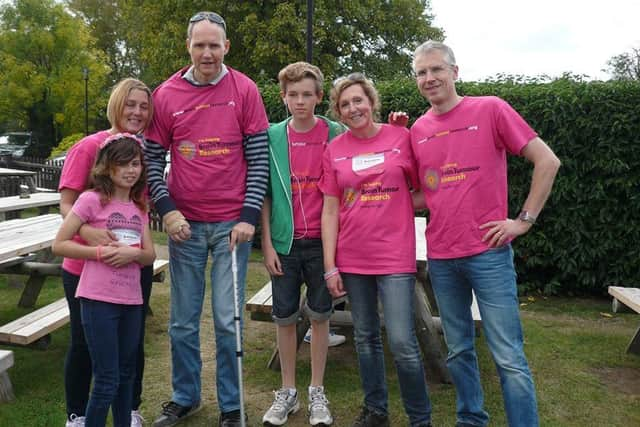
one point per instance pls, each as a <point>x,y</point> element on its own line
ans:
<point>118,254</point>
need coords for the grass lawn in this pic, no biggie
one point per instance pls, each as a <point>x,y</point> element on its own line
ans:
<point>576,352</point>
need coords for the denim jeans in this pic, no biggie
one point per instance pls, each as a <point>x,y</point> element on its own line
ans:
<point>77,363</point>
<point>396,292</point>
<point>303,264</point>
<point>187,264</point>
<point>491,276</point>
<point>112,332</point>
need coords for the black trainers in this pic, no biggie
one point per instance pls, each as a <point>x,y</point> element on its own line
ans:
<point>231,419</point>
<point>172,414</point>
<point>369,418</point>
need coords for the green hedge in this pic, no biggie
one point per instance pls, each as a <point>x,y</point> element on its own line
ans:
<point>588,236</point>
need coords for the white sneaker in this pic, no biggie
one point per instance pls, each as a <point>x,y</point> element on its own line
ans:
<point>75,421</point>
<point>334,339</point>
<point>136,419</point>
<point>283,405</point>
<point>319,413</point>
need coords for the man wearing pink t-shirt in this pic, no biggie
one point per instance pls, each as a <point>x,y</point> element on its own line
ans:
<point>461,145</point>
<point>212,120</point>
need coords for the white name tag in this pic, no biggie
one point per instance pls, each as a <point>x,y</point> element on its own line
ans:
<point>367,161</point>
<point>127,237</point>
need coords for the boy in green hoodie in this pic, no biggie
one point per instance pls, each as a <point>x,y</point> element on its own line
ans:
<point>291,240</point>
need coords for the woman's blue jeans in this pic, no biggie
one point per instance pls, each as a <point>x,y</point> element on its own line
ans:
<point>396,293</point>
<point>491,276</point>
<point>112,332</point>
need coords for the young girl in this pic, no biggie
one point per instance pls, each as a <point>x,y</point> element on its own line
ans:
<point>109,287</point>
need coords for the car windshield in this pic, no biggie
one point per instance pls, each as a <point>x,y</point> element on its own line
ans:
<point>15,139</point>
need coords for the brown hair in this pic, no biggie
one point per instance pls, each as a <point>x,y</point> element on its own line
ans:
<point>118,99</point>
<point>342,83</point>
<point>118,153</point>
<point>297,71</point>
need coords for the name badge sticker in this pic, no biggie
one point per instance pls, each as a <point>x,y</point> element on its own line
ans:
<point>368,163</point>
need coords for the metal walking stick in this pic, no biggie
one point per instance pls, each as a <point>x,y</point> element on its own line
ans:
<point>236,300</point>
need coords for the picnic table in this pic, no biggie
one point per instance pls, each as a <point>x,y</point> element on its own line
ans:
<point>428,326</point>
<point>11,206</point>
<point>8,176</point>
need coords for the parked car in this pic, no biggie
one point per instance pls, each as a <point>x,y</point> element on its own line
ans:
<point>16,144</point>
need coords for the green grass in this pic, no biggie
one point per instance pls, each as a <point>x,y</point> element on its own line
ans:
<point>583,375</point>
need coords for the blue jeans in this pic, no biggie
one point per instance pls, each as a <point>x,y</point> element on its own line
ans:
<point>187,264</point>
<point>77,363</point>
<point>303,264</point>
<point>396,292</point>
<point>112,332</point>
<point>491,276</point>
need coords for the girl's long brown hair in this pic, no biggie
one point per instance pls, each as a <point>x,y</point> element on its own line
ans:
<point>118,153</point>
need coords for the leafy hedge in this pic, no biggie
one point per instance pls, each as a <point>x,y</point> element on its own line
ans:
<point>588,235</point>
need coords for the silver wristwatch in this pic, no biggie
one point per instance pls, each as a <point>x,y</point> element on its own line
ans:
<point>527,217</point>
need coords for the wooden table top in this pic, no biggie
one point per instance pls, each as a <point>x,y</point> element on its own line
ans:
<point>14,203</point>
<point>22,236</point>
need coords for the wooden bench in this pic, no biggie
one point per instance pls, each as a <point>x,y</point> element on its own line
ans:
<point>260,304</point>
<point>627,297</point>
<point>37,325</point>
<point>6,389</point>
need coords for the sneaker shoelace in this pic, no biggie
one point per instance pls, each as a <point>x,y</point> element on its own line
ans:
<point>280,403</point>
<point>318,401</point>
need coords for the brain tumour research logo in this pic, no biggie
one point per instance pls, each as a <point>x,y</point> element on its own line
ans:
<point>187,149</point>
<point>431,179</point>
<point>349,197</point>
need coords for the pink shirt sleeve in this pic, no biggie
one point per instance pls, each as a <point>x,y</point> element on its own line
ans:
<point>513,131</point>
<point>328,184</point>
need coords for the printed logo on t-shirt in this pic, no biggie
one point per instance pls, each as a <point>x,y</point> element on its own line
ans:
<point>349,197</point>
<point>449,176</point>
<point>127,231</point>
<point>187,149</point>
<point>375,192</point>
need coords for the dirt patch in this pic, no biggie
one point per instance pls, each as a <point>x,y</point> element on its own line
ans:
<point>621,379</point>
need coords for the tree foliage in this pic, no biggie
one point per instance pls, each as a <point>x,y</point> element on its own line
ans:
<point>42,51</point>
<point>625,66</point>
<point>148,36</point>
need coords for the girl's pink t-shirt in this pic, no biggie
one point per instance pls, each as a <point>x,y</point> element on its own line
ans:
<point>203,128</point>
<point>462,167</point>
<point>372,178</point>
<point>99,281</point>
<point>75,176</point>
<point>305,151</point>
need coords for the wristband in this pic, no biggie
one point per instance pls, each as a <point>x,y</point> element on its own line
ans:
<point>98,248</point>
<point>331,273</point>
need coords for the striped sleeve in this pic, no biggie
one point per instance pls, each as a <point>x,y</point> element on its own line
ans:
<point>154,155</point>
<point>256,153</point>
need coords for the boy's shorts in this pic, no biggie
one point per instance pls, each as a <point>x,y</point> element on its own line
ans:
<point>304,264</point>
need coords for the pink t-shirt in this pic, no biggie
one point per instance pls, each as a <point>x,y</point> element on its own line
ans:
<point>75,176</point>
<point>462,168</point>
<point>372,177</point>
<point>306,150</point>
<point>203,127</point>
<point>101,282</point>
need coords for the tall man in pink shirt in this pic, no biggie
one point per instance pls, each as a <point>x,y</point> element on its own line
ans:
<point>461,146</point>
<point>212,120</point>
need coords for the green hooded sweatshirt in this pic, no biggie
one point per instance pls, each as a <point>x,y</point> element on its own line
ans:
<point>279,189</point>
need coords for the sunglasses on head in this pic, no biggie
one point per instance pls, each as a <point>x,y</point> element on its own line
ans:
<point>209,16</point>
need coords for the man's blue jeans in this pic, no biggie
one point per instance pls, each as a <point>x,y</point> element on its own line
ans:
<point>112,332</point>
<point>187,264</point>
<point>396,292</point>
<point>492,277</point>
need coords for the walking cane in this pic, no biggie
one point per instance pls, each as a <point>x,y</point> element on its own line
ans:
<point>236,299</point>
